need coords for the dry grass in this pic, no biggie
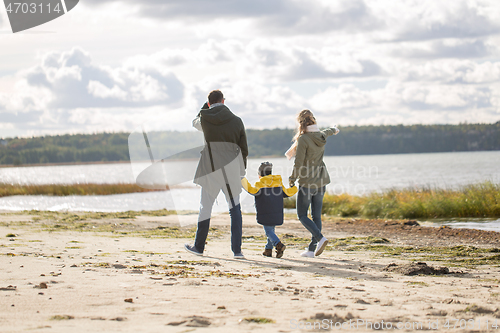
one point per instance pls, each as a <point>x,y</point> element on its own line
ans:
<point>477,200</point>
<point>69,189</point>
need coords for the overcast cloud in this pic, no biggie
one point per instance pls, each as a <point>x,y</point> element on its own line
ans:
<point>111,65</point>
<point>276,16</point>
<point>74,82</point>
<point>454,48</point>
<point>450,19</point>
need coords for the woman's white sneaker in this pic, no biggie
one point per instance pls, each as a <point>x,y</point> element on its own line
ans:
<point>307,254</point>
<point>321,246</point>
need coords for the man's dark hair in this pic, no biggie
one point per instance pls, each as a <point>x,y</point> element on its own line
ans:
<point>215,96</point>
<point>265,169</point>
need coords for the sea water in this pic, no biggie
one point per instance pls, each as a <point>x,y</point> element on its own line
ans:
<point>357,175</point>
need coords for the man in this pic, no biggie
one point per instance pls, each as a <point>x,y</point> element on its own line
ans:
<point>222,164</point>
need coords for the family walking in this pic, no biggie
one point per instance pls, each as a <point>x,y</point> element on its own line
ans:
<point>222,167</point>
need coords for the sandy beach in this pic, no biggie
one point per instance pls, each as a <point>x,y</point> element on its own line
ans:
<point>66,272</point>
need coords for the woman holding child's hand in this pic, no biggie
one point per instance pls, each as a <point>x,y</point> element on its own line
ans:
<point>309,169</point>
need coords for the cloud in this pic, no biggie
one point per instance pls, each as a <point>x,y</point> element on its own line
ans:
<point>458,49</point>
<point>277,16</point>
<point>447,19</point>
<point>303,66</point>
<point>311,18</point>
<point>264,60</point>
<point>439,97</point>
<point>210,9</point>
<point>207,54</point>
<point>74,82</point>
<point>266,79</point>
<point>67,92</point>
<point>495,98</point>
<point>407,103</point>
<point>345,97</point>
<point>397,21</point>
<point>259,105</point>
<point>269,106</point>
<point>398,102</point>
<point>21,117</point>
<point>299,63</point>
<point>453,72</point>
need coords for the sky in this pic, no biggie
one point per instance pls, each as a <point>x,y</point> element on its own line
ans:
<point>117,65</point>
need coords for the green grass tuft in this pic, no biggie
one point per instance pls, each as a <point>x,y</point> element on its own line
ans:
<point>61,317</point>
<point>259,320</point>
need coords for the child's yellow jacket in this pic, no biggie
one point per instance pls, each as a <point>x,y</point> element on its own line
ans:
<point>269,193</point>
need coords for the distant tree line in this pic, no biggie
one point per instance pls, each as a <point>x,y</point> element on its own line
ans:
<point>399,139</point>
<point>352,140</point>
<point>65,149</point>
<point>366,140</point>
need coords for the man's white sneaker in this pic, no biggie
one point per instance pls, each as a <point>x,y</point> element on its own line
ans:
<point>307,254</point>
<point>321,246</point>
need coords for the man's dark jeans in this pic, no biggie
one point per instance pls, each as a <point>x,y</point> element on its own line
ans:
<point>207,202</point>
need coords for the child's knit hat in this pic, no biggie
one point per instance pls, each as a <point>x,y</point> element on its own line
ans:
<point>266,168</point>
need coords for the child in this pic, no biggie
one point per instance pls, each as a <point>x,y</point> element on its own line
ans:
<point>269,193</point>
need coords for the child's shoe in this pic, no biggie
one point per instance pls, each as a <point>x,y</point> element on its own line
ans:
<point>280,248</point>
<point>268,252</point>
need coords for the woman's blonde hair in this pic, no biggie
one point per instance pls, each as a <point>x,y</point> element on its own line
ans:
<point>304,118</point>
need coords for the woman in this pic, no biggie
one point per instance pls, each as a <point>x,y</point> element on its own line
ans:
<point>308,148</point>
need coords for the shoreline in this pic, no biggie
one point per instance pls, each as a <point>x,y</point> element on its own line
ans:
<point>60,164</point>
<point>424,226</point>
